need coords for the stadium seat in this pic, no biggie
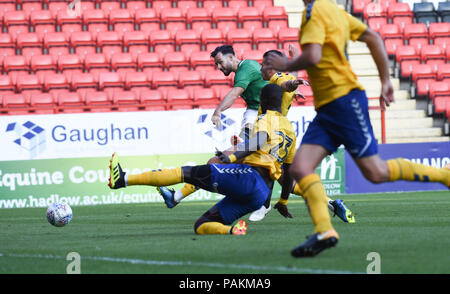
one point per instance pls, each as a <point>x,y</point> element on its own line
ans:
<point>122,21</point>
<point>16,22</point>
<point>153,100</point>
<point>42,21</point>
<point>201,60</point>
<point>108,6</point>
<point>432,52</point>
<point>262,4</point>
<point>150,62</point>
<point>212,5</point>
<point>425,12</point>
<point>439,30</point>
<point>224,18</point>
<point>6,84</point>
<point>198,19</point>
<point>237,5</point>
<point>185,5</point>
<point>43,63</point>
<point>392,37</point>
<point>205,96</point>
<point>16,104</point>
<point>110,80</point>
<point>444,11</point>
<point>56,81</point>
<point>250,18</point>
<point>137,79</point>
<point>359,5</point>
<point>406,52</point>
<point>254,55</point>
<point>42,103</point>
<point>28,82</point>
<point>136,42</point>
<point>288,35</point>
<point>176,61</point>
<point>29,44</point>
<point>275,17</point>
<point>160,5</point>
<point>98,101</point>
<point>69,22</point>
<point>96,21</point>
<point>407,68</point>
<point>443,71</point>
<point>70,102</point>
<point>162,41</point>
<point>264,39</point>
<point>422,71</point>
<point>441,104</point>
<point>212,38</point>
<point>70,63</point>
<point>164,79</point>
<point>126,100</point>
<point>123,62</point>
<point>83,43</point>
<point>179,97</point>
<point>56,43</point>
<point>188,41</point>
<point>83,81</point>
<point>30,5</point>
<point>95,63</point>
<point>136,5</point>
<point>110,43</point>
<point>416,34</point>
<point>216,77</point>
<point>173,19</point>
<point>148,20</point>
<point>190,80</point>
<point>439,88</point>
<point>16,63</point>
<point>422,87</point>
<point>7,45</point>
<point>240,39</point>
<point>400,13</point>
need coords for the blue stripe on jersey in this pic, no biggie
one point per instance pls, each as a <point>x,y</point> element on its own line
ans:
<point>309,10</point>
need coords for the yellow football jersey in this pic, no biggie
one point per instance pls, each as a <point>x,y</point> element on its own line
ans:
<point>280,146</point>
<point>279,78</point>
<point>326,24</point>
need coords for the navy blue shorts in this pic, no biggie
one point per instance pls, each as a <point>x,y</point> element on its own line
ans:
<point>344,121</point>
<point>244,189</point>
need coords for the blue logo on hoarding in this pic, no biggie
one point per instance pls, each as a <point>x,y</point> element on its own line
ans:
<point>226,122</point>
<point>30,137</point>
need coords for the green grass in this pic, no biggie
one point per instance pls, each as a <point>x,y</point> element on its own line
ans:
<point>410,231</point>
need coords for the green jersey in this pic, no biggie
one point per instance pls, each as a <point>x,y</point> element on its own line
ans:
<point>248,76</point>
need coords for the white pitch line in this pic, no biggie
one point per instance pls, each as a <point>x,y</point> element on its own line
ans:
<point>188,263</point>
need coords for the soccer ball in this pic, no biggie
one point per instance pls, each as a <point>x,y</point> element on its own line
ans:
<point>59,214</point>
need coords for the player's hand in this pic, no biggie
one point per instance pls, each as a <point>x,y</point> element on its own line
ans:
<point>222,157</point>
<point>292,50</point>
<point>216,120</point>
<point>387,94</point>
<point>279,63</point>
<point>283,210</point>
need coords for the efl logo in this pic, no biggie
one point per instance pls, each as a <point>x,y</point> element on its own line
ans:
<point>31,137</point>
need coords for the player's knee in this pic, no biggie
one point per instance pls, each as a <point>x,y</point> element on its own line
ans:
<point>298,172</point>
<point>376,174</point>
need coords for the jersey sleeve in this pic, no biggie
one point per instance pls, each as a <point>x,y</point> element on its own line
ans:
<point>357,28</point>
<point>313,27</point>
<point>280,78</point>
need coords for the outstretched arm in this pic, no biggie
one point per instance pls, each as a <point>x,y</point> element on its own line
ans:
<point>226,103</point>
<point>311,55</point>
<point>378,52</point>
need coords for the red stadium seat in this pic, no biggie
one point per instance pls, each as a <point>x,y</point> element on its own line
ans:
<point>123,62</point>
<point>28,82</point>
<point>212,38</point>
<point>110,43</point>
<point>136,5</point>
<point>359,5</point>
<point>173,19</point>
<point>96,21</point>
<point>288,35</point>
<point>392,38</point>
<point>443,71</point>
<point>83,43</point>
<point>240,39</point>
<point>136,42</point>
<point>205,96</point>
<point>212,5</point>
<point>265,37</point>
<point>150,62</point>
<point>153,100</point>
<point>430,52</point>
<point>70,63</point>
<point>122,20</point>
<point>254,55</point>
<point>164,79</point>
<point>162,41</point>
<point>441,104</point>
<point>98,101</point>
<point>400,13</point>
<point>16,103</point>
<point>250,18</point>
<point>83,81</point>
<point>422,71</point>
<point>42,103</point>
<point>95,63</point>
<point>69,22</point>
<point>160,5</point>
<point>16,22</point>
<point>224,18</point>
<point>216,77</point>
<point>126,100</point>
<point>187,41</point>
<point>16,63</point>
<point>422,87</point>
<point>148,20</point>
<point>108,6</point>
<point>137,79</point>
<point>416,34</point>
<point>56,81</point>
<point>70,102</point>
<point>43,62</point>
<point>176,61</point>
<point>43,21</point>
<point>198,19</point>
<point>439,88</point>
<point>29,44</point>
<point>276,17</point>
<point>407,68</point>
<point>179,97</point>
<point>56,43</point>
<point>406,52</point>
<point>185,5</point>
<point>262,4</point>
<point>6,84</point>
<point>110,80</point>
<point>439,30</point>
<point>201,60</point>
<point>237,5</point>
<point>7,45</point>
<point>190,80</point>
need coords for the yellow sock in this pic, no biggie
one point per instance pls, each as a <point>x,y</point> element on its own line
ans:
<point>188,189</point>
<point>401,169</point>
<point>157,178</point>
<point>210,228</point>
<point>298,191</point>
<point>316,199</point>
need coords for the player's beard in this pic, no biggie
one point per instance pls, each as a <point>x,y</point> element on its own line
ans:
<point>226,72</point>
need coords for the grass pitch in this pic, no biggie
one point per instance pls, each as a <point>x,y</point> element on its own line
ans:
<point>409,231</point>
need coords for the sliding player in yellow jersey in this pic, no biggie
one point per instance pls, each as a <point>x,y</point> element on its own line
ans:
<point>246,185</point>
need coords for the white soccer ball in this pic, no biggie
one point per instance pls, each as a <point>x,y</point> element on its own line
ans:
<point>59,214</point>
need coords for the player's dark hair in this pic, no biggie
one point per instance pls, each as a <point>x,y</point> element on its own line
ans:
<point>224,49</point>
<point>271,97</point>
<point>272,52</point>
